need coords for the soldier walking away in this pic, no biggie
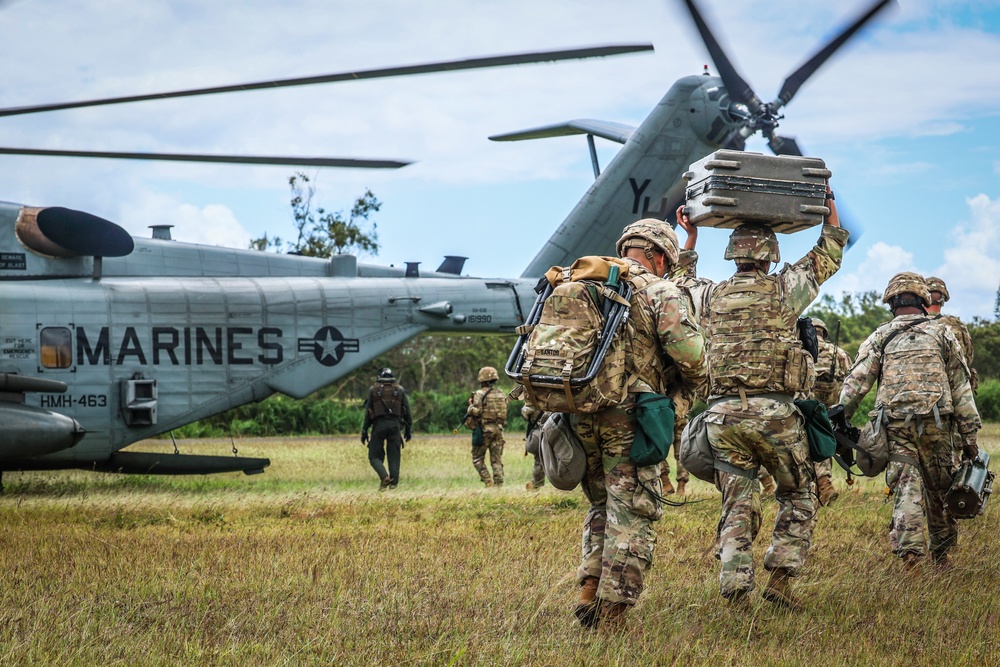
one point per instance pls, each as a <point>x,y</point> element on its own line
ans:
<point>488,409</point>
<point>832,366</point>
<point>939,295</point>
<point>532,438</point>
<point>757,366</point>
<point>387,412</point>
<point>665,355</point>
<point>924,394</point>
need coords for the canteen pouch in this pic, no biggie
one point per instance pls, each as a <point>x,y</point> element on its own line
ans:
<point>695,452</point>
<point>822,441</point>
<point>655,433</point>
<point>478,440</point>
<point>563,458</point>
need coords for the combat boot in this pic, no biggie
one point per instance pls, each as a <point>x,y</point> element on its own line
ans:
<point>587,607</point>
<point>488,483</point>
<point>385,484</point>
<point>612,616</point>
<point>827,493</point>
<point>680,487</point>
<point>911,562</point>
<point>668,488</point>
<point>942,563</point>
<point>779,590</point>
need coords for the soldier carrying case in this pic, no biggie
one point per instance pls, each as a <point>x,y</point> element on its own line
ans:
<point>785,192</point>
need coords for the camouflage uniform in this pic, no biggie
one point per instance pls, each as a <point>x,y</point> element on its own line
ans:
<point>618,536</point>
<point>924,393</point>
<point>831,366</point>
<point>535,418</point>
<point>685,274</point>
<point>757,365</point>
<point>489,409</point>
<point>387,411</point>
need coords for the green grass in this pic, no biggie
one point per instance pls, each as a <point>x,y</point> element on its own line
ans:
<point>308,564</point>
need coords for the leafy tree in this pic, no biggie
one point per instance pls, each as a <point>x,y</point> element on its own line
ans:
<point>322,233</point>
<point>858,315</point>
<point>986,348</point>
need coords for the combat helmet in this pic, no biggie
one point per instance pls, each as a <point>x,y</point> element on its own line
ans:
<point>385,375</point>
<point>819,324</point>
<point>935,284</point>
<point>907,281</point>
<point>488,373</point>
<point>647,234</point>
<point>753,241</point>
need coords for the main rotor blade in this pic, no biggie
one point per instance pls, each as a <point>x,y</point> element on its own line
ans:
<point>799,76</point>
<point>739,89</point>
<point>227,159</point>
<point>406,70</point>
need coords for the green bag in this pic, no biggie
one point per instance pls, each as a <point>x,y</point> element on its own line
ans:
<point>655,414</point>
<point>477,437</point>
<point>822,441</point>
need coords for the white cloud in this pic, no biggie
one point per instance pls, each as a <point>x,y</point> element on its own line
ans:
<point>213,224</point>
<point>971,265</point>
<point>881,262</point>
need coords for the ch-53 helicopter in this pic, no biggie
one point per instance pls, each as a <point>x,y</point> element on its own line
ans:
<point>107,339</point>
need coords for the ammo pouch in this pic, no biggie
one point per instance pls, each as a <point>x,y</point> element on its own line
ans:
<point>563,458</point>
<point>822,441</point>
<point>799,375</point>
<point>655,433</point>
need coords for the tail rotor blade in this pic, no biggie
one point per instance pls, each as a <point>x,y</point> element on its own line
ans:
<point>784,145</point>
<point>739,89</point>
<point>799,76</point>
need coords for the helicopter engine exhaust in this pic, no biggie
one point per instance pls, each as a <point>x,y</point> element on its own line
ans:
<point>29,431</point>
<point>62,232</point>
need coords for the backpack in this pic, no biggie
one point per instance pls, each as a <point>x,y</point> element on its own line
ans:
<point>570,353</point>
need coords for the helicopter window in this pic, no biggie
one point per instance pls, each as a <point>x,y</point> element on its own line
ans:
<point>56,344</point>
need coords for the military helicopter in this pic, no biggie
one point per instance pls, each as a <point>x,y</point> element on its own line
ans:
<point>109,339</point>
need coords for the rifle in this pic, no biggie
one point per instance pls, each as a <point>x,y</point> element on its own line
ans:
<point>845,428</point>
<point>845,433</point>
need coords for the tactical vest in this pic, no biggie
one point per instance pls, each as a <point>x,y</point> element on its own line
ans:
<point>754,344</point>
<point>914,379</point>
<point>829,374</point>
<point>385,400</point>
<point>493,406</point>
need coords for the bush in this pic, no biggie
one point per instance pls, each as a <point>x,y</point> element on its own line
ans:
<point>988,400</point>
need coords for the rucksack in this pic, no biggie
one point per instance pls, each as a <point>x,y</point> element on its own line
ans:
<point>570,354</point>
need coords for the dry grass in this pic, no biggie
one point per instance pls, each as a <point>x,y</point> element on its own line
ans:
<point>307,564</point>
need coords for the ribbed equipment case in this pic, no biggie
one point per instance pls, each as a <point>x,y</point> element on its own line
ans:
<point>786,192</point>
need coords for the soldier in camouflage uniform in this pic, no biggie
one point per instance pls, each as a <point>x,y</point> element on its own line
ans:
<point>488,408</point>
<point>387,410</point>
<point>831,366</point>
<point>939,295</point>
<point>665,354</point>
<point>535,419</point>
<point>924,397</point>
<point>757,364</point>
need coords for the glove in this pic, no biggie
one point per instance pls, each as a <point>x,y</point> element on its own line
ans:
<point>970,450</point>
<point>407,434</point>
<point>364,437</point>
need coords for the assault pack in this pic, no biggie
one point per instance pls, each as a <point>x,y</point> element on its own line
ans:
<point>570,354</point>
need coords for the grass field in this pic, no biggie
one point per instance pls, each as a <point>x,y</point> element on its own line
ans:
<point>308,564</point>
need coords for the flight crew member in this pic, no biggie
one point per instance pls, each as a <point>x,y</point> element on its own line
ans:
<point>387,411</point>
<point>757,366</point>
<point>618,535</point>
<point>488,409</point>
<point>924,394</point>
<point>832,366</point>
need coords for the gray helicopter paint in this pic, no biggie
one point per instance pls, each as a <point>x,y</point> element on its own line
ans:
<point>214,344</point>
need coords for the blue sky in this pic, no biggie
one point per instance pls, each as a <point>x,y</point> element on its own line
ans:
<point>906,117</point>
